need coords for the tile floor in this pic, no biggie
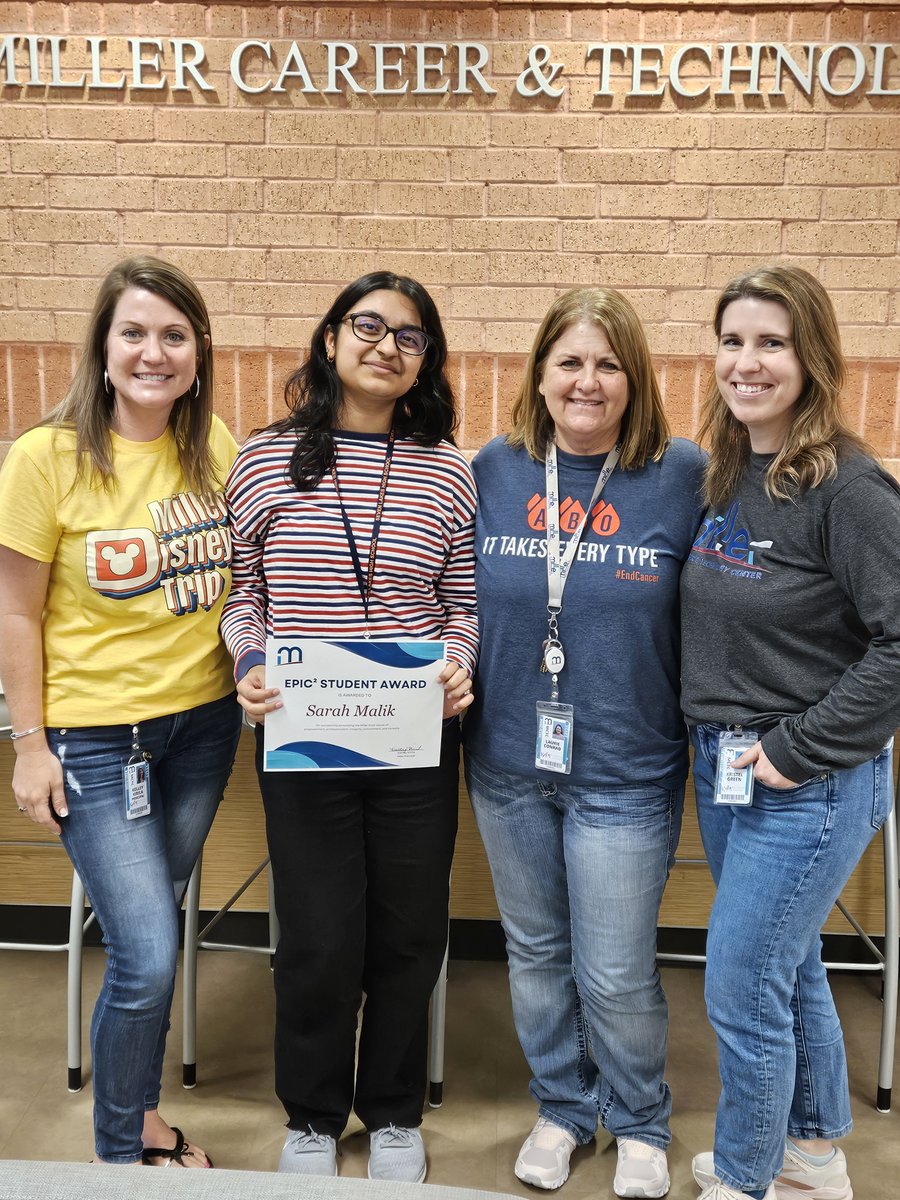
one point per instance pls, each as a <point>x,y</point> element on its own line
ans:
<point>472,1139</point>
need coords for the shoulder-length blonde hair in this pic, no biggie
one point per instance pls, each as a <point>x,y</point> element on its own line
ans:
<point>645,430</point>
<point>818,428</point>
<point>88,405</point>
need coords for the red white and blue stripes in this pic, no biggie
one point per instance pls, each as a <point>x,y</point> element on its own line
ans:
<point>293,576</point>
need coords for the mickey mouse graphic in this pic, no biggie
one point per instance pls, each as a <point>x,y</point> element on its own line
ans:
<point>122,562</point>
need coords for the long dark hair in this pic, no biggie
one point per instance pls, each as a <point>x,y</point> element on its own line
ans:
<point>426,413</point>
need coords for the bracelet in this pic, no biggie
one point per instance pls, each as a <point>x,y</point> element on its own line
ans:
<point>14,737</point>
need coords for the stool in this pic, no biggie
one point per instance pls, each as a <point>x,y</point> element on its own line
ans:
<point>72,947</point>
<point>436,1035</point>
<point>196,939</point>
<point>888,963</point>
<point>77,926</point>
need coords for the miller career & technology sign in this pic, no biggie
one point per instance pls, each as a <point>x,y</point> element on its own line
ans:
<point>461,68</point>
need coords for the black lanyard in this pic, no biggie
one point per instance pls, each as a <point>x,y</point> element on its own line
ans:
<point>365,584</point>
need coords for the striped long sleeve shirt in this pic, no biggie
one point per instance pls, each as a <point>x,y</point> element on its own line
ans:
<point>293,575</point>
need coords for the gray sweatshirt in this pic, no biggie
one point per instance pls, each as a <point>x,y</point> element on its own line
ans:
<point>791,618</point>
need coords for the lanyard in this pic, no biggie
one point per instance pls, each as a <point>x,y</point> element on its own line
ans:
<point>558,564</point>
<point>365,584</point>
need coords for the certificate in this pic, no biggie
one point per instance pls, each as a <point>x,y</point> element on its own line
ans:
<point>353,706</point>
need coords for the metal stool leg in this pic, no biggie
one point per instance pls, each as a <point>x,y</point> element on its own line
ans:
<point>189,977</point>
<point>194,941</point>
<point>274,927</point>
<point>73,984</point>
<point>891,965</point>
<point>438,1030</point>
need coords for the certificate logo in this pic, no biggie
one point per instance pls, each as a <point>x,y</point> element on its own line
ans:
<point>287,655</point>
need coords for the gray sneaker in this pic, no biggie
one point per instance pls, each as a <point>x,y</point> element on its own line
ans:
<point>397,1154</point>
<point>308,1153</point>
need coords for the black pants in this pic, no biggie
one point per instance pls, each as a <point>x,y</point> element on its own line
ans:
<point>361,867</point>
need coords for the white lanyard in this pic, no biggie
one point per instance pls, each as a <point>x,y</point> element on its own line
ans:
<point>558,565</point>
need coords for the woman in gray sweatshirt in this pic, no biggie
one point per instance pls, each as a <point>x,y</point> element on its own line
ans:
<point>791,672</point>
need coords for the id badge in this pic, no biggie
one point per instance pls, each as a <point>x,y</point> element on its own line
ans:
<point>555,727</point>
<point>136,776</point>
<point>734,787</point>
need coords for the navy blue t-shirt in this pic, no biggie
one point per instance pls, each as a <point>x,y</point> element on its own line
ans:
<point>620,622</point>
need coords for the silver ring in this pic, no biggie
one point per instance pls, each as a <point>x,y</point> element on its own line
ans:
<point>23,810</point>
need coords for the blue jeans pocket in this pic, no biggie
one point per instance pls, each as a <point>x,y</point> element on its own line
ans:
<point>806,788</point>
<point>635,805</point>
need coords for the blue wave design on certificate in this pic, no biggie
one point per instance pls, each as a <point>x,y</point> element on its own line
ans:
<point>407,655</point>
<point>299,756</point>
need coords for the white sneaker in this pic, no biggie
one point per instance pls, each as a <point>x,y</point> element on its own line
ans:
<point>702,1168</point>
<point>721,1191</point>
<point>544,1158</point>
<point>308,1153</point>
<point>799,1180</point>
<point>642,1169</point>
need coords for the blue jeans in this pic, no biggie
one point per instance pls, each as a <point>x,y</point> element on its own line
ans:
<point>779,866</point>
<point>135,874</point>
<point>579,874</point>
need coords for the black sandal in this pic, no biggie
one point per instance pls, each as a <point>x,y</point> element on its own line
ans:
<point>175,1155</point>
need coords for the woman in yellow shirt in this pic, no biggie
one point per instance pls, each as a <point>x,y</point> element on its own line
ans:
<point>114,563</point>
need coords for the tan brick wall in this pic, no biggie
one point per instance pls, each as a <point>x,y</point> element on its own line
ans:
<point>495,202</point>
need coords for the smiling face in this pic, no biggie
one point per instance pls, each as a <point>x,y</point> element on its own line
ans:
<point>585,389</point>
<point>151,359</point>
<point>374,375</point>
<point>758,372</point>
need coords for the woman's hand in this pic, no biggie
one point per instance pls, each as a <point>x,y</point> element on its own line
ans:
<point>38,786</point>
<point>764,771</point>
<point>254,697</point>
<point>457,688</point>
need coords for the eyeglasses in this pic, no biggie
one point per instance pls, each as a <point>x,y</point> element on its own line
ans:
<point>369,328</point>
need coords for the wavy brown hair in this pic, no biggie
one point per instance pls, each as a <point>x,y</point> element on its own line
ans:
<point>88,407</point>
<point>645,430</point>
<point>818,430</point>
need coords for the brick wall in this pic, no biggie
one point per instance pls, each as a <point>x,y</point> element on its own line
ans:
<point>495,202</point>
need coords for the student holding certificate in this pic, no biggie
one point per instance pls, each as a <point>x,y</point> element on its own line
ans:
<point>576,747</point>
<point>791,628</point>
<point>353,518</point>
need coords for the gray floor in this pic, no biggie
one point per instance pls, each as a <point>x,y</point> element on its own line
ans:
<point>472,1140</point>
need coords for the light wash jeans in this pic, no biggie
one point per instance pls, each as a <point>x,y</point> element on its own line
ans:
<point>579,874</point>
<point>135,874</point>
<point>779,866</point>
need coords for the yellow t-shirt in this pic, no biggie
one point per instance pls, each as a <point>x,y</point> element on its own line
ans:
<point>138,577</point>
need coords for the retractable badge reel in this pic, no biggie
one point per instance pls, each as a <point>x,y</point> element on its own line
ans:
<point>136,779</point>
<point>555,721</point>
<point>734,787</point>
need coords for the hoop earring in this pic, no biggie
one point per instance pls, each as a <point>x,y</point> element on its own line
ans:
<point>195,387</point>
<point>415,383</point>
<point>109,391</point>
